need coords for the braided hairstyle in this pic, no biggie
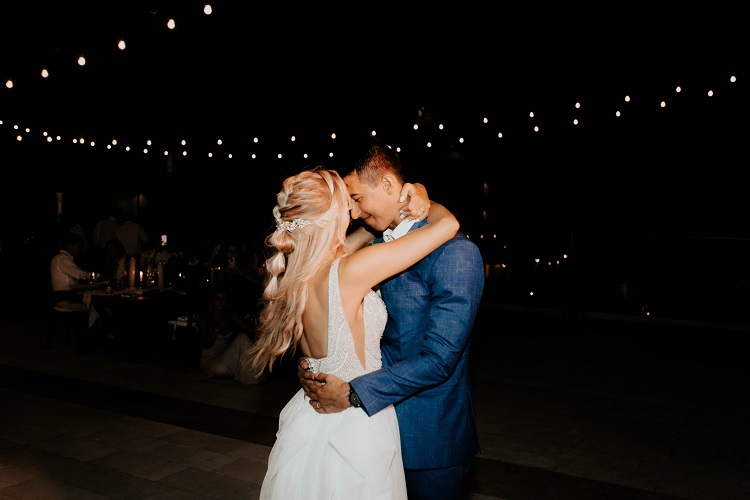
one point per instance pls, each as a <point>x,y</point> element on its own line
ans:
<point>312,218</point>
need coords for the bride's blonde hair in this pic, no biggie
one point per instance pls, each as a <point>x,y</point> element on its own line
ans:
<point>312,217</point>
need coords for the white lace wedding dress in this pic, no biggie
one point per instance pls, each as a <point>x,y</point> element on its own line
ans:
<point>342,455</point>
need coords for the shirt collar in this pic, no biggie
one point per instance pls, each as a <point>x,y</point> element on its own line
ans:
<point>403,228</point>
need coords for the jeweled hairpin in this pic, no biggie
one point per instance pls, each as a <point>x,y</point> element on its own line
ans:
<point>290,226</point>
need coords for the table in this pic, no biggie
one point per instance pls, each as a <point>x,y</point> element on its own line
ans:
<point>82,287</point>
<point>137,320</point>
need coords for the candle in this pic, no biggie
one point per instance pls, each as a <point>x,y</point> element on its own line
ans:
<point>131,273</point>
<point>141,279</point>
<point>160,273</point>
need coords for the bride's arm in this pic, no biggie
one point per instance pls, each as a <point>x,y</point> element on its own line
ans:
<point>358,238</point>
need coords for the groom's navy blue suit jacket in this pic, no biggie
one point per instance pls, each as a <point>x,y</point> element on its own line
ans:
<point>431,311</point>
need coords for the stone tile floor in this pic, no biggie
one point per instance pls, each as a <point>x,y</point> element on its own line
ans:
<point>568,407</point>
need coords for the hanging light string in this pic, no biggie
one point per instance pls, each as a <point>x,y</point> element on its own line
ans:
<point>485,128</point>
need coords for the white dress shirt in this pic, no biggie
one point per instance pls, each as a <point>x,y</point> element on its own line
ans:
<point>403,228</point>
<point>64,272</point>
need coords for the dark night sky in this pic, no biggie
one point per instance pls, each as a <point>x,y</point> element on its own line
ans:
<point>277,71</point>
<point>244,65</point>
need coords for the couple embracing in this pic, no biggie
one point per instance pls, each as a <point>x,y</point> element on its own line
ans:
<point>386,405</point>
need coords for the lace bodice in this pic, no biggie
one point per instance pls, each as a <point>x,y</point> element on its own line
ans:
<point>342,360</point>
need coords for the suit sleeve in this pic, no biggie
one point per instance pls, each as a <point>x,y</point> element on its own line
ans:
<point>454,274</point>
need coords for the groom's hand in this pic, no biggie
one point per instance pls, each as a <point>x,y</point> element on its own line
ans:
<point>327,393</point>
<point>307,378</point>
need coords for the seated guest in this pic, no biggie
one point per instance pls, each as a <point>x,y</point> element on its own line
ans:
<point>225,336</point>
<point>154,251</point>
<point>114,270</point>
<point>232,269</point>
<point>257,263</point>
<point>230,264</point>
<point>65,274</point>
<point>115,267</point>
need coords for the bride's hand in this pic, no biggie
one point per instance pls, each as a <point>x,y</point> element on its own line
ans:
<point>417,203</point>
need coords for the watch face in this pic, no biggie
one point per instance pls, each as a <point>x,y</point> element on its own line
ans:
<point>354,399</point>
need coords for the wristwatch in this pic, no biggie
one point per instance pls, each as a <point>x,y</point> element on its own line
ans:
<point>354,398</point>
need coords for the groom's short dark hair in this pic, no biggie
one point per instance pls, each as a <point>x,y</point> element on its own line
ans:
<point>368,157</point>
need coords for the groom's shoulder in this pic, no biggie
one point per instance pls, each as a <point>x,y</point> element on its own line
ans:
<point>460,247</point>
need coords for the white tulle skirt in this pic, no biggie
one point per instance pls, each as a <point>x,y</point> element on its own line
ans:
<point>330,456</point>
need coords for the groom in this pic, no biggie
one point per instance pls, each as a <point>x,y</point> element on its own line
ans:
<point>425,346</point>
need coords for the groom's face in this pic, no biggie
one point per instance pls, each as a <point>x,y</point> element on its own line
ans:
<point>376,204</point>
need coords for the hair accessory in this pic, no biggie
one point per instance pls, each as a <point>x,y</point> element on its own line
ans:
<point>290,226</point>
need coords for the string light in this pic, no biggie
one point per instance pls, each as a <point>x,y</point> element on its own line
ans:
<point>445,141</point>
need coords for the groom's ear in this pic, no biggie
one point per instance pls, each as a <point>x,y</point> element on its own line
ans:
<point>388,184</point>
